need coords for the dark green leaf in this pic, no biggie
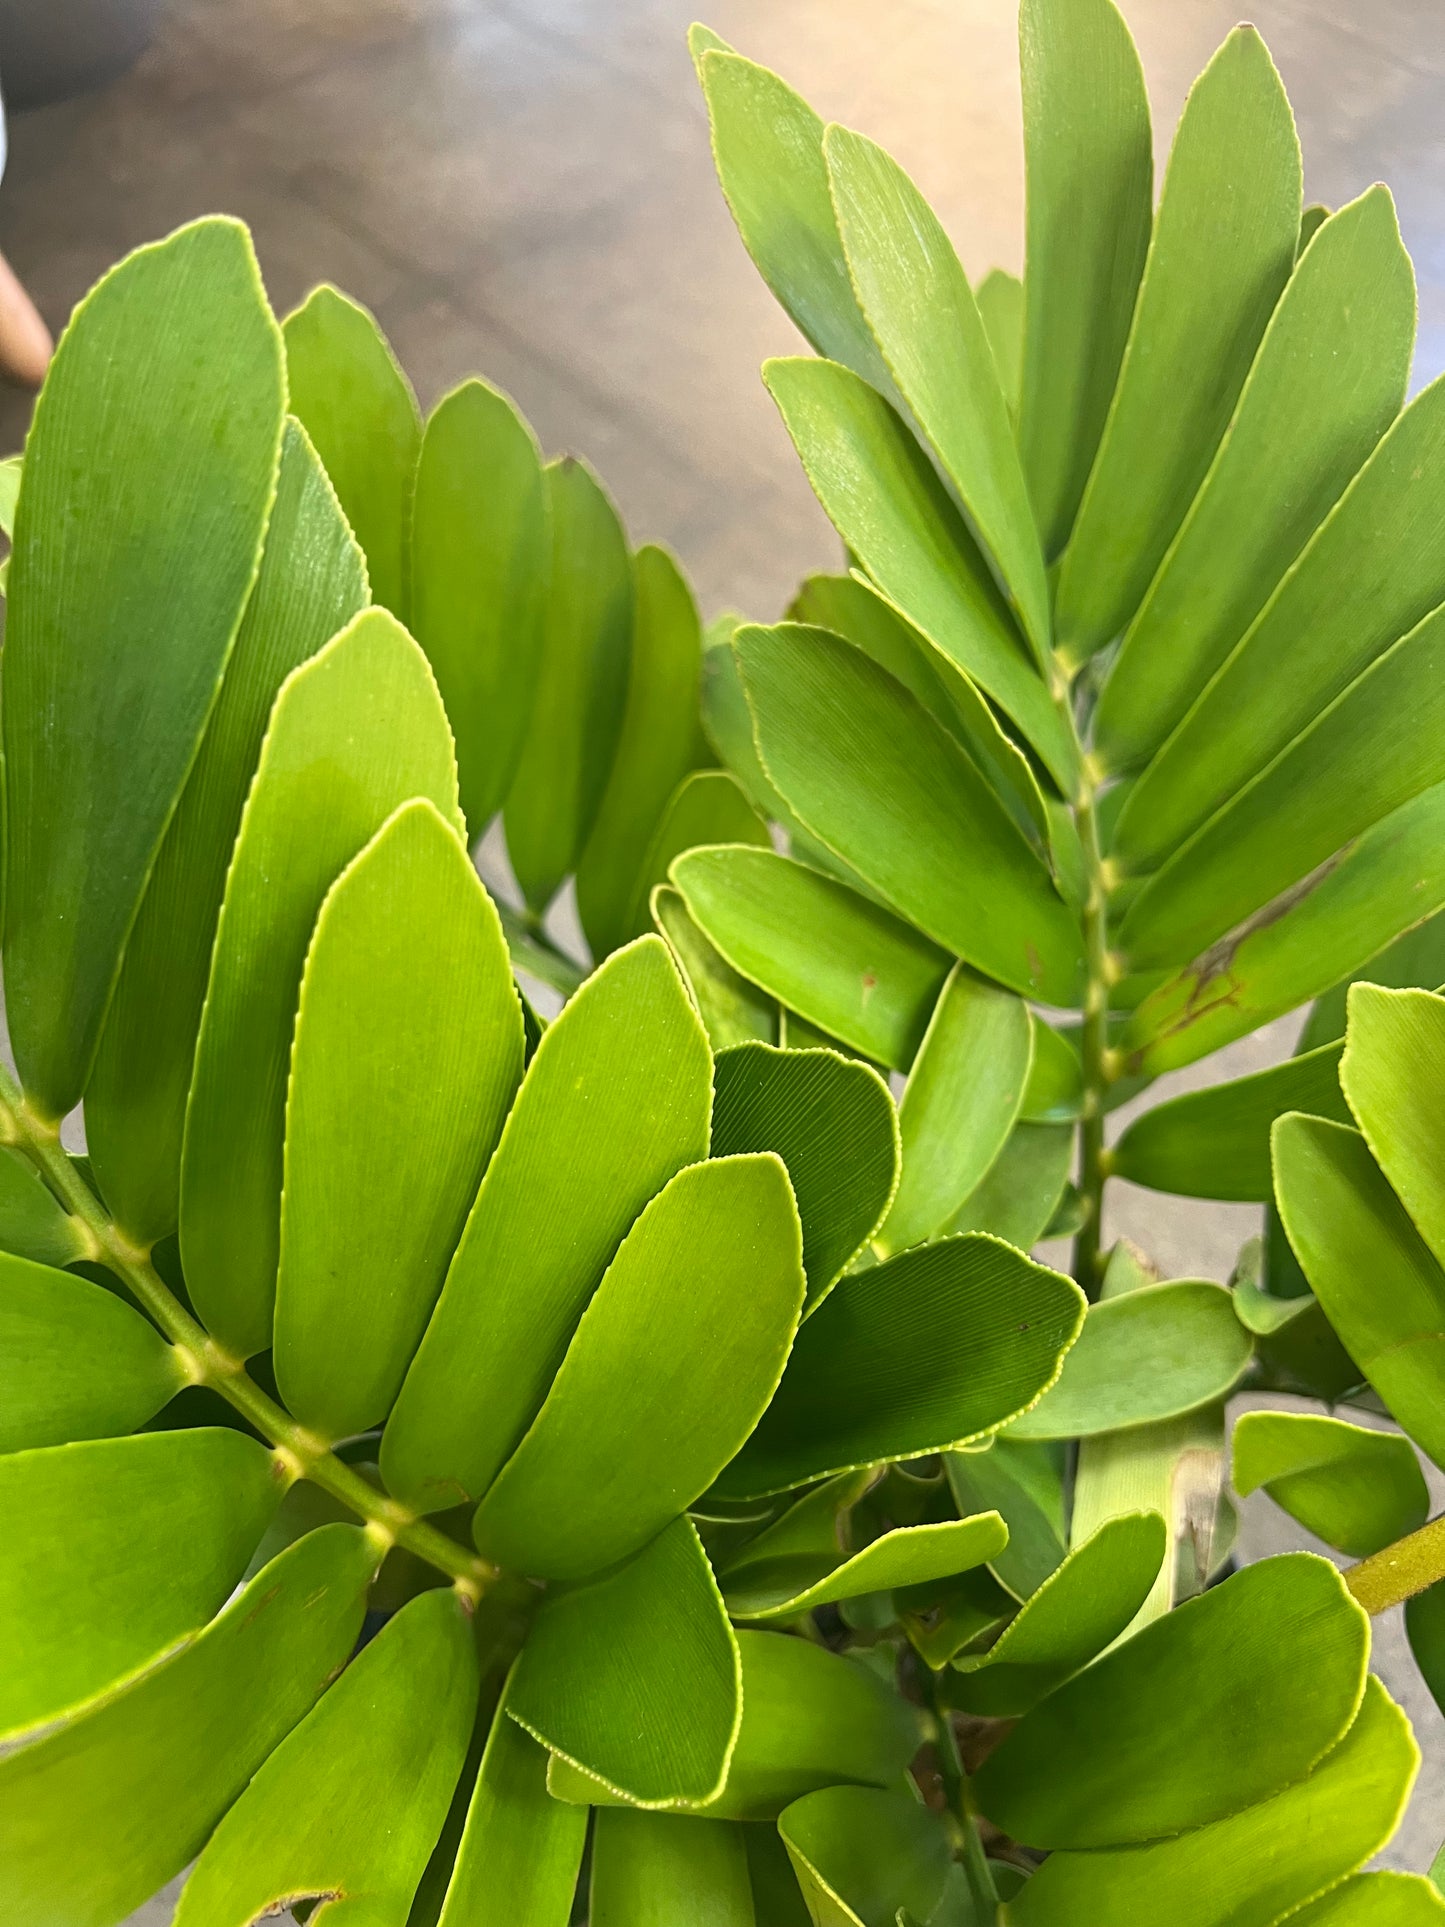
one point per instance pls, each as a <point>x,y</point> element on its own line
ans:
<point>1020,1192</point>
<point>1414,961</point>
<point>708,807</point>
<point>521,1850</point>
<point>733,1011</point>
<point>861,1854</point>
<point>1024,1481</point>
<point>655,1870</point>
<point>32,1224</point>
<point>783,1587</point>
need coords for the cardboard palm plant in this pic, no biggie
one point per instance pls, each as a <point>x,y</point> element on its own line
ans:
<point>460,1468</point>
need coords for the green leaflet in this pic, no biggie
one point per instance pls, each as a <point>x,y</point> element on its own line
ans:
<point>768,148</point>
<point>1327,382</point>
<point>733,1011</point>
<point>389,1736</point>
<point>876,780</point>
<point>1090,176</point>
<point>671,1367</point>
<point>142,1780</point>
<point>861,1854</point>
<point>1000,298</point>
<point>655,1870</point>
<point>1393,1073</point>
<point>75,1361</point>
<point>1260,1864</point>
<point>708,807</point>
<point>355,732</point>
<point>811,1718</point>
<point>1144,1356</point>
<point>1414,961</point>
<point>616,1100</point>
<point>1214,1143</point>
<point>658,742</point>
<point>1024,1480</point>
<point>1425,1626</point>
<point>1370,1269</point>
<point>137,534</point>
<point>832,1123</point>
<point>580,681</point>
<point>480,546</point>
<point>312,581</point>
<point>635,1678</point>
<point>407,1055</point>
<point>1391,878</point>
<point>1375,748</point>
<point>1019,1193</point>
<point>942,1619</point>
<point>886,501</point>
<point>1376,1900</point>
<point>1369,575</point>
<point>1054,1093</point>
<point>915,1355</point>
<point>959,1106</point>
<point>10,472</point>
<point>358,408</point>
<point>32,1224</point>
<point>521,1850</point>
<point>784,1587</point>
<point>117,1550</point>
<point>1221,252</point>
<point>1357,1490</point>
<point>916,298</point>
<point>1078,1611</point>
<point>1095,1766</point>
<point>840,960</point>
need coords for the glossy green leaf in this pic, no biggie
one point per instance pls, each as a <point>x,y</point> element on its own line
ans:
<point>1221,252</point>
<point>312,581</point>
<point>658,743</point>
<point>839,959</point>
<point>1024,1481</point>
<point>1327,382</point>
<point>521,1850</point>
<point>1000,298</point>
<point>635,1678</point>
<point>355,732</point>
<point>148,481</point>
<point>1090,176</point>
<point>1094,1765</point>
<point>1257,1866</point>
<point>480,547</point>
<point>933,1348</point>
<point>672,1365</point>
<point>117,1551</point>
<point>1054,1093</point>
<point>733,1011</point>
<point>357,406</point>
<point>959,1106</point>
<point>1078,1611</point>
<point>1020,1192</point>
<point>908,1556</point>
<point>1147,1355</point>
<point>1214,1143</point>
<point>32,1223</point>
<point>1357,1490</point>
<point>656,1870</point>
<point>10,472</point>
<point>861,1854</point>
<point>728,724</point>
<point>581,678</point>
<point>876,780</point>
<point>831,1121</point>
<point>768,148</point>
<point>1393,1073</point>
<point>1370,1269</point>
<point>917,300</point>
<point>75,1361</point>
<point>1415,961</point>
<point>708,807</point>
<point>97,1815</point>
<point>1369,575</point>
<point>1376,747</point>
<point>615,1101</point>
<point>388,1738</point>
<point>1425,1626</point>
<point>407,1055</point>
<point>1376,1900</point>
<point>1389,879</point>
<point>886,501</point>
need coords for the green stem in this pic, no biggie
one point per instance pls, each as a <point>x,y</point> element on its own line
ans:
<point>1088,1245</point>
<point>1398,1572</point>
<point>207,1363</point>
<point>533,951</point>
<point>955,1783</point>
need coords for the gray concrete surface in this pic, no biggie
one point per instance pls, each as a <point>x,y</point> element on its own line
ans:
<point>523,188</point>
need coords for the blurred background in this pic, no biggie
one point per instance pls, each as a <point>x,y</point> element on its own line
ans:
<point>523,189</point>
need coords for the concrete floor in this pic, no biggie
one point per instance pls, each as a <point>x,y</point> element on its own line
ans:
<point>523,188</point>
